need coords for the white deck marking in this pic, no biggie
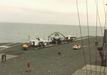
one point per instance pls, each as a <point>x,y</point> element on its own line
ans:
<point>95,68</point>
<point>92,70</point>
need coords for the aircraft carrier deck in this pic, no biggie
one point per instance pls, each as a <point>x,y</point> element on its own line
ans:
<point>46,61</point>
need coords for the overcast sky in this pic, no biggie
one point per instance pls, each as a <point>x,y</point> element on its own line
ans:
<point>49,11</point>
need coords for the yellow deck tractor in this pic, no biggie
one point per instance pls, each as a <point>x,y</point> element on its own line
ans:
<point>25,46</point>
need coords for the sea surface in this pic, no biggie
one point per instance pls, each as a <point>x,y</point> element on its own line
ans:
<point>21,32</point>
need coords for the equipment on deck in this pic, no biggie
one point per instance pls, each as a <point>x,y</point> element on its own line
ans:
<point>25,46</point>
<point>76,47</point>
<point>56,38</point>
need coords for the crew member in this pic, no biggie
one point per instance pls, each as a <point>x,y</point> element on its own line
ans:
<point>28,65</point>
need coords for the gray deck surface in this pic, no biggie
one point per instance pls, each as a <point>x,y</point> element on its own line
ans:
<point>47,61</point>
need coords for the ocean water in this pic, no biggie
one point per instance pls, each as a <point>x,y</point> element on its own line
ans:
<point>17,32</point>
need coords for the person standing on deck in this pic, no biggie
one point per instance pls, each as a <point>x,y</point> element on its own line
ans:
<point>103,50</point>
<point>3,58</point>
<point>28,65</point>
<point>101,53</point>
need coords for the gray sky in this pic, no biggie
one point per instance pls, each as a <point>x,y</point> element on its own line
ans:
<point>49,11</point>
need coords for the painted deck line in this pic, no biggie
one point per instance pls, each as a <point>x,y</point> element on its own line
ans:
<point>82,38</point>
<point>92,70</point>
<point>95,68</point>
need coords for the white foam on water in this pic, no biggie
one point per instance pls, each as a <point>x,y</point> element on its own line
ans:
<point>4,47</point>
